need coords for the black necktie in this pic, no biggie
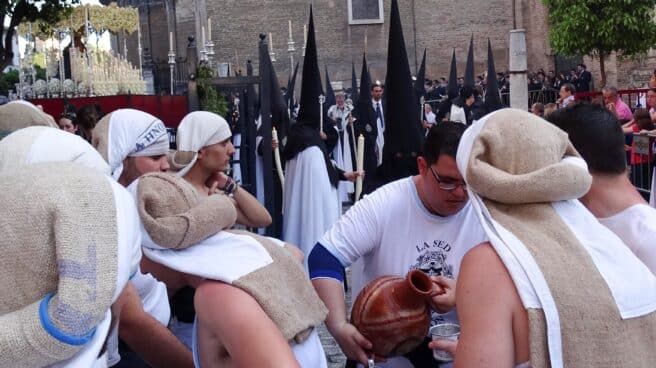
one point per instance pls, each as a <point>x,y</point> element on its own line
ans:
<point>379,113</point>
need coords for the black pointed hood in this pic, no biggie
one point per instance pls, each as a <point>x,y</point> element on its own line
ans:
<point>279,116</point>
<point>330,93</point>
<point>364,96</point>
<point>278,108</point>
<point>403,135</point>
<point>311,87</point>
<point>469,68</point>
<point>452,87</point>
<point>291,86</point>
<point>354,85</point>
<point>421,77</point>
<point>492,96</point>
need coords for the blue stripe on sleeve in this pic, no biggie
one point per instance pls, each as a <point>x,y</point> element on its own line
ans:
<point>323,264</point>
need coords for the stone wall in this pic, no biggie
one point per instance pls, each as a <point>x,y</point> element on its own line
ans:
<point>437,25</point>
<point>625,73</point>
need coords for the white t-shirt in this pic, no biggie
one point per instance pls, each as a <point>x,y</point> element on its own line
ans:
<point>430,117</point>
<point>391,232</point>
<point>636,226</point>
<point>458,114</point>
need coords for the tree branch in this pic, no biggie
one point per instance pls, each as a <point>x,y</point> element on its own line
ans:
<point>19,13</point>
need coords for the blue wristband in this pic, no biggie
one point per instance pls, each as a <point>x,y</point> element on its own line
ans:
<point>57,333</point>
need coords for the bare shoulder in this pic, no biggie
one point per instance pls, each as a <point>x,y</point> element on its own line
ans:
<point>483,276</point>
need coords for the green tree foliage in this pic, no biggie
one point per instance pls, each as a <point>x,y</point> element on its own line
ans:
<point>209,98</point>
<point>8,81</point>
<point>599,27</point>
<point>18,11</point>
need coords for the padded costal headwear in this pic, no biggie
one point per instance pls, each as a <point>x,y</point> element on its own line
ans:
<point>39,144</point>
<point>129,133</point>
<point>68,252</point>
<point>197,130</point>
<point>532,161</point>
<point>21,114</point>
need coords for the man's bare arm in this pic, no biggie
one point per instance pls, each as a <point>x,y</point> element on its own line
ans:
<point>151,340</point>
<point>487,304</point>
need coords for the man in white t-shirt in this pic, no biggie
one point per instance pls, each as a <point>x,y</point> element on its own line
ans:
<point>429,117</point>
<point>422,222</point>
<point>596,134</point>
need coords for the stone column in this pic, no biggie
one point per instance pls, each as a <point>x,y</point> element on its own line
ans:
<point>518,67</point>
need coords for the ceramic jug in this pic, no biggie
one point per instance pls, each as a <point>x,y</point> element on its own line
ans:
<point>393,312</point>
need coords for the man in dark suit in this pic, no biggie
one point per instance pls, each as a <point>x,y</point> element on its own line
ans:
<point>371,124</point>
<point>585,77</point>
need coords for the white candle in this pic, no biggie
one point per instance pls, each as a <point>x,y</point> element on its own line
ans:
<point>304,35</point>
<point>202,31</point>
<point>170,41</point>
<point>359,166</point>
<point>270,43</point>
<point>276,156</point>
<point>209,28</point>
<point>289,22</point>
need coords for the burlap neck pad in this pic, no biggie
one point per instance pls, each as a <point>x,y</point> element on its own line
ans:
<point>38,144</point>
<point>592,330</point>
<point>173,213</point>
<point>284,291</point>
<point>177,219</point>
<point>21,114</point>
<point>100,138</point>
<point>516,166</point>
<point>60,244</point>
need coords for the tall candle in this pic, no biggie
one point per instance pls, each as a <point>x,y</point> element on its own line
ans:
<point>276,156</point>
<point>209,28</point>
<point>304,35</point>
<point>270,43</point>
<point>359,166</point>
<point>170,41</point>
<point>289,22</point>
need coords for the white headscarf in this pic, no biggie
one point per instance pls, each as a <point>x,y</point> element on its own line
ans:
<point>133,133</point>
<point>197,130</point>
<point>39,144</point>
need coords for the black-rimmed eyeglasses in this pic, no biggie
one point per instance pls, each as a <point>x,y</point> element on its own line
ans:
<point>447,185</point>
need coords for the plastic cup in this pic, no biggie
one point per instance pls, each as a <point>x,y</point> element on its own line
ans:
<point>444,331</point>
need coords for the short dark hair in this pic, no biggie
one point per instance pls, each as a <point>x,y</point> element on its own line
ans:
<point>88,116</point>
<point>442,139</point>
<point>643,119</point>
<point>596,133</point>
<point>466,92</point>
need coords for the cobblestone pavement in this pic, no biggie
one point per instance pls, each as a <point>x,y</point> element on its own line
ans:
<point>334,355</point>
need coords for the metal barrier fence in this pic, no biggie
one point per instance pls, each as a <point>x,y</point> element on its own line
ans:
<point>641,162</point>
<point>543,96</point>
<point>173,133</point>
<point>635,98</point>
